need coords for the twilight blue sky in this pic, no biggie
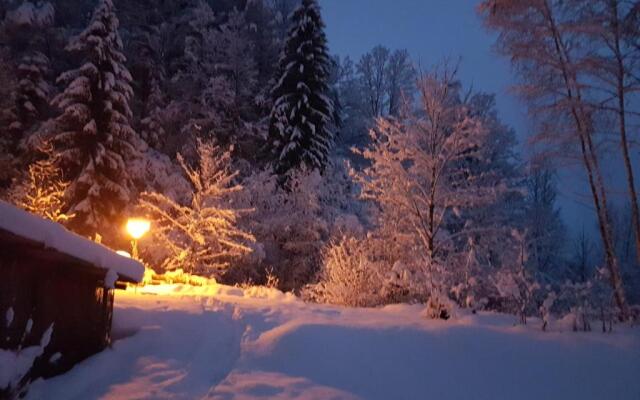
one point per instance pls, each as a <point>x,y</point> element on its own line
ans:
<point>431,30</point>
<point>436,29</point>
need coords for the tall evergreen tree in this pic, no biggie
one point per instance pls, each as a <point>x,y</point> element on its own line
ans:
<point>93,134</point>
<point>32,97</point>
<point>300,131</point>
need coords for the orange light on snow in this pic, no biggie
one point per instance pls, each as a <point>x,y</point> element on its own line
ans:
<point>123,253</point>
<point>138,227</point>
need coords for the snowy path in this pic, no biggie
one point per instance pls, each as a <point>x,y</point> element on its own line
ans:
<point>232,344</point>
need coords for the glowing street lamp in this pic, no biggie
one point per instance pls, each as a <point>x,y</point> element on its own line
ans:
<point>137,228</point>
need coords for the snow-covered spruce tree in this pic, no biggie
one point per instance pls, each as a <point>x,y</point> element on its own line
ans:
<point>302,114</point>
<point>151,126</point>
<point>201,237</point>
<point>93,134</point>
<point>25,31</point>
<point>420,177</point>
<point>32,97</point>
<point>43,191</point>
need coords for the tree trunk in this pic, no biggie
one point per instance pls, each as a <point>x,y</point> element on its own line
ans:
<point>624,143</point>
<point>583,127</point>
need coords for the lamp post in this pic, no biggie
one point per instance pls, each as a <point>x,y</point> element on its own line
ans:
<point>137,228</point>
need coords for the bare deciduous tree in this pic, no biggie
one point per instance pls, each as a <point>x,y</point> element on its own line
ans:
<point>372,68</point>
<point>419,174</point>
<point>612,64</point>
<point>400,80</point>
<point>545,44</point>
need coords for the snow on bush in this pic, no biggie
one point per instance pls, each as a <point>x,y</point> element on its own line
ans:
<point>156,172</point>
<point>583,304</point>
<point>293,224</point>
<point>371,271</point>
<point>201,237</point>
<point>43,192</point>
<point>348,276</point>
<point>289,224</point>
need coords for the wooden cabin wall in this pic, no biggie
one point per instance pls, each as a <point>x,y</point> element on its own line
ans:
<point>48,290</point>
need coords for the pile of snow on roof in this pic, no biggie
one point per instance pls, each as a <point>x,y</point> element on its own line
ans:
<point>55,236</point>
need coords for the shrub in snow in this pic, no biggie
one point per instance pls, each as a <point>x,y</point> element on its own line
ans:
<point>371,271</point>
<point>290,224</point>
<point>348,277</point>
<point>517,287</point>
<point>517,290</point>
<point>583,303</point>
<point>43,191</point>
<point>293,225</point>
<point>202,236</point>
<point>178,276</point>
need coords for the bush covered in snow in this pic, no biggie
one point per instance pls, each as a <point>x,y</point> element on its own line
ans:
<point>43,192</point>
<point>348,277</point>
<point>201,236</point>
<point>368,271</point>
<point>292,224</point>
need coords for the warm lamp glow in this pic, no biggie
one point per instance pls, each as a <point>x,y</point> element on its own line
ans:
<point>137,228</point>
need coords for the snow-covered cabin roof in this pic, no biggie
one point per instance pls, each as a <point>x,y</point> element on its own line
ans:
<point>54,236</point>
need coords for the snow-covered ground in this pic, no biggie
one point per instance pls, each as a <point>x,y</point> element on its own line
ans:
<point>176,342</point>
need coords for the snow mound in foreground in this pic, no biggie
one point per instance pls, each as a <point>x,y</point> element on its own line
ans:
<point>177,342</point>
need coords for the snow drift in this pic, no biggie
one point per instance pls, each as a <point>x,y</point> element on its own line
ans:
<point>172,342</point>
